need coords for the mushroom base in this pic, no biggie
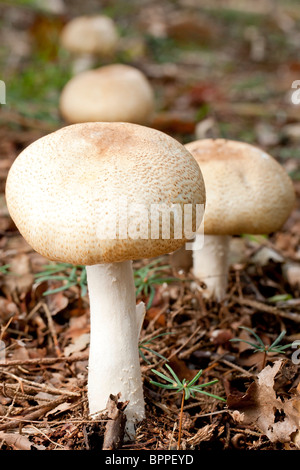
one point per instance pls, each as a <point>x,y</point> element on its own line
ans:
<point>114,365</point>
<point>210,265</point>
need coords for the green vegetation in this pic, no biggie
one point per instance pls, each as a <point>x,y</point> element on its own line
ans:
<point>145,278</point>
<point>70,276</point>
<point>188,389</point>
<point>149,276</point>
<point>259,346</point>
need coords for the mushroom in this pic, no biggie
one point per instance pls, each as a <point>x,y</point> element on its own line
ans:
<point>88,38</point>
<point>89,194</point>
<point>248,191</point>
<point>110,93</point>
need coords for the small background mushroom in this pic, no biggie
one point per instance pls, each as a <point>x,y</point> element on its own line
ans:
<point>110,93</point>
<point>247,192</point>
<point>88,39</point>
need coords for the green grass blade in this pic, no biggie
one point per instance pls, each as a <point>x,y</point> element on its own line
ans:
<point>59,289</point>
<point>162,376</point>
<point>154,352</point>
<point>210,395</point>
<point>151,297</point>
<point>158,384</point>
<point>173,374</point>
<point>254,334</point>
<point>278,339</point>
<point>235,340</point>
<point>194,380</point>
<point>143,356</point>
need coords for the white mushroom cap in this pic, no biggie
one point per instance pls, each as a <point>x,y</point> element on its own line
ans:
<point>63,191</point>
<point>247,190</point>
<point>110,93</point>
<point>90,35</point>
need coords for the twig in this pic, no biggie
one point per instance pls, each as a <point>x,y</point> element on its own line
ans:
<point>186,342</point>
<point>34,415</point>
<point>234,366</point>
<point>180,420</point>
<point>47,437</point>
<point>267,308</point>
<point>44,387</point>
<point>52,329</point>
<point>45,360</point>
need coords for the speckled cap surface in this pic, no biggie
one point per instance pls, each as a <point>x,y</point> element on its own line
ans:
<point>110,93</point>
<point>247,190</point>
<point>63,191</point>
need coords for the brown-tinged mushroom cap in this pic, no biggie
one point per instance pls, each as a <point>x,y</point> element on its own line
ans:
<point>247,190</point>
<point>90,35</point>
<point>63,191</point>
<point>110,93</point>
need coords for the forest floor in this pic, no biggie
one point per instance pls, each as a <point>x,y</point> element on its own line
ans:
<point>219,69</point>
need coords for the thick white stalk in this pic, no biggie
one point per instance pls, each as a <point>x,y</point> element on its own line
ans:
<point>210,265</point>
<point>114,365</point>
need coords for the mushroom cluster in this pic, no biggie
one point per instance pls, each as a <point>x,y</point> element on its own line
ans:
<point>115,92</point>
<point>247,192</point>
<point>75,196</point>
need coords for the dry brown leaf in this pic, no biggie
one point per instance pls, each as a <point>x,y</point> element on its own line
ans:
<point>21,278</point>
<point>18,441</point>
<point>154,314</point>
<point>247,356</point>
<point>220,336</point>
<point>57,301</point>
<point>78,344</point>
<point>59,409</point>
<point>203,434</point>
<point>260,406</point>
<point>115,426</point>
<point>181,370</point>
<point>7,309</point>
<point>78,326</point>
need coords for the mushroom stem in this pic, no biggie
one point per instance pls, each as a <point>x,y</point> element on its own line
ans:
<point>114,365</point>
<point>82,63</point>
<point>210,265</point>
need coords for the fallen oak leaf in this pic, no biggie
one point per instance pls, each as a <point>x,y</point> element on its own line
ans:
<point>260,406</point>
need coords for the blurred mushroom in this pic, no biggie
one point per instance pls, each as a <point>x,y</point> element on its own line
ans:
<point>247,191</point>
<point>66,191</point>
<point>110,93</point>
<point>89,38</point>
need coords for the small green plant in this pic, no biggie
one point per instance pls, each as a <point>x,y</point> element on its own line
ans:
<point>147,277</point>
<point>275,347</point>
<point>280,298</point>
<point>142,345</point>
<point>69,274</point>
<point>4,269</point>
<point>188,389</point>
